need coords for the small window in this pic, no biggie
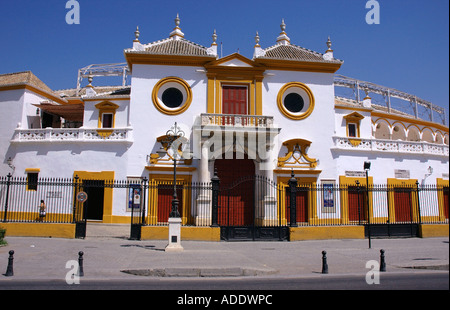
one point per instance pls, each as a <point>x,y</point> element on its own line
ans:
<point>107,120</point>
<point>32,181</point>
<point>172,97</point>
<point>294,103</point>
<point>352,130</point>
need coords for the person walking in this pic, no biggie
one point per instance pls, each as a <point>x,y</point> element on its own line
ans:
<point>42,211</point>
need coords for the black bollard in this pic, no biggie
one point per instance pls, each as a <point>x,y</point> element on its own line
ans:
<point>324,262</point>
<point>382,262</point>
<point>10,269</point>
<point>80,264</point>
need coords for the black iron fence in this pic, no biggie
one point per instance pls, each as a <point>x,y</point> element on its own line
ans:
<point>142,202</point>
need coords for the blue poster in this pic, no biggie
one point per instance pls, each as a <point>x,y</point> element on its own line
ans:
<point>134,196</point>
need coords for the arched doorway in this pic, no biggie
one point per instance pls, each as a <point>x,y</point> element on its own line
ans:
<point>237,193</point>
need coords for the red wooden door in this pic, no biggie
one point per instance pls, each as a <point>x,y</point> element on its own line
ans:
<point>446,202</point>
<point>301,200</point>
<point>234,100</point>
<point>236,198</point>
<point>165,197</point>
<point>403,204</point>
<point>356,204</point>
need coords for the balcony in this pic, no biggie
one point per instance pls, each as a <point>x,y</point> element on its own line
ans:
<point>236,121</point>
<point>390,146</point>
<point>123,135</point>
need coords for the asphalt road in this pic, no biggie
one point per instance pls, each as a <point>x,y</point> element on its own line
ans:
<point>173,286</point>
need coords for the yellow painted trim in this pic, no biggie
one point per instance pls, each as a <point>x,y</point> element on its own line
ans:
<point>352,108</point>
<point>154,180</point>
<point>44,230</point>
<point>187,233</point>
<point>211,93</point>
<point>292,146</point>
<point>170,60</point>
<point>441,183</point>
<point>106,107</point>
<point>297,171</point>
<point>219,75</point>
<point>108,192</point>
<point>161,107</point>
<point>351,181</point>
<point>258,99</point>
<point>410,183</point>
<point>433,230</point>
<point>32,170</point>
<point>36,90</point>
<point>169,168</point>
<point>326,232</point>
<point>410,120</point>
<point>275,64</point>
<point>286,112</point>
<point>283,182</point>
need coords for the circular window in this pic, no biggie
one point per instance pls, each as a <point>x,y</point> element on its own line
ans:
<point>295,101</point>
<point>172,95</point>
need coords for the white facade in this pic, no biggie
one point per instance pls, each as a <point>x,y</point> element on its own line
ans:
<point>330,138</point>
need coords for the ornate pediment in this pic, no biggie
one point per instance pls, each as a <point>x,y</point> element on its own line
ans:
<point>296,156</point>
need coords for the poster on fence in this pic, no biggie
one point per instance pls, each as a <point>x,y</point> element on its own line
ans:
<point>134,197</point>
<point>328,196</point>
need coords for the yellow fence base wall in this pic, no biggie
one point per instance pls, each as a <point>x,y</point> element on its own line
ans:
<point>433,230</point>
<point>326,232</point>
<point>39,230</point>
<point>187,233</point>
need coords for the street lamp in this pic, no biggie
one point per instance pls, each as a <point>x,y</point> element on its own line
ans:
<point>173,139</point>
<point>170,140</point>
<point>366,169</point>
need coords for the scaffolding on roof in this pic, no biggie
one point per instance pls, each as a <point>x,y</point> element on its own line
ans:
<point>115,69</point>
<point>388,93</point>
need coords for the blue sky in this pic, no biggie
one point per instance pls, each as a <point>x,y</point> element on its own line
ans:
<point>408,50</point>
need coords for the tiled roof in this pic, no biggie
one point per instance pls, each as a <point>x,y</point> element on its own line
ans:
<point>179,47</point>
<point>294,53</point>
<point>26,77</point>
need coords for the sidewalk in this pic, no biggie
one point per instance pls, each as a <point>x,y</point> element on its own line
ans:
<point>108,258</point>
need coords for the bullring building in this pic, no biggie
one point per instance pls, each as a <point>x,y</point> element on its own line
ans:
<point>254,123</point>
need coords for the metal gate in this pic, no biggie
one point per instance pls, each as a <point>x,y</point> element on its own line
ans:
<point>252,208</point>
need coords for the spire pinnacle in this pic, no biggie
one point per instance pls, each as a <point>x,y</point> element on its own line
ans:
<point>214,37</point>
<point>283,38</point>
<point>136,34</point>
<point>177,34</point>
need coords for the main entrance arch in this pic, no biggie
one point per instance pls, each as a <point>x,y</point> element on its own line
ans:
<point>248,208</point>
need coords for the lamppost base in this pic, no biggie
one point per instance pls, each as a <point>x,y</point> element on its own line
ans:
<point>174,235</point>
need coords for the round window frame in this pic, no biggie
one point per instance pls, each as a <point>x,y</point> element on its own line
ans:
<point>300,89</point>
<point>172,82</point>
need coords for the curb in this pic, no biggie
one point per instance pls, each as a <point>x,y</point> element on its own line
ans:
<point>199,272</point>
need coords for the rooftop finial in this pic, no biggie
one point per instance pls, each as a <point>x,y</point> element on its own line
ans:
<point>136,34</point>
<point>283,25</point>
<point>214,37</point>
<point>176,34</point>
<point>283,38</point>
<point>329,52</point>
<point>257,39</point>
<point>329,44</point>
